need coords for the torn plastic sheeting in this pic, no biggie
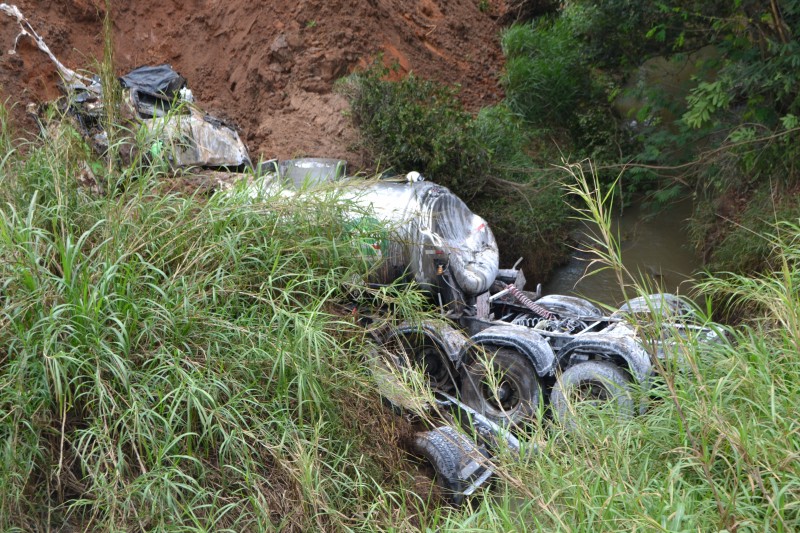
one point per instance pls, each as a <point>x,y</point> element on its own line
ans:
<point>195,141</point>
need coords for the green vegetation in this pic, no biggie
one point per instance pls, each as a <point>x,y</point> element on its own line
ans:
<point>177,363</point>
<point>717,448</point>
<point>688,97</point>
<point>415,124</point>
<point>182,363</point>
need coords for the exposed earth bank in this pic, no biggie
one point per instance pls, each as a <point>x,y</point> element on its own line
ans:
<point>269,67</point>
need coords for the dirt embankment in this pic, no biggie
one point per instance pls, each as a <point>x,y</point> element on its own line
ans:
<point>269,67</point>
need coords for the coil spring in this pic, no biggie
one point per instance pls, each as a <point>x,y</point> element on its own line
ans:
<point>528,321</point>
<point>568,325</point>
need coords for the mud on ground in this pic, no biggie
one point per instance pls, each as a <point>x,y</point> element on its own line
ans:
<point>270,66</point>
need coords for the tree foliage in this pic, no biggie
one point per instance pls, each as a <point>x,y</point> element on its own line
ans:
<point>722,132</point>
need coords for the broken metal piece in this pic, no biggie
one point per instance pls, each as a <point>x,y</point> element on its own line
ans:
<point>196,140</point>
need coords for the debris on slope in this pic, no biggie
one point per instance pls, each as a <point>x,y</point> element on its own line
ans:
<point>268,66</point>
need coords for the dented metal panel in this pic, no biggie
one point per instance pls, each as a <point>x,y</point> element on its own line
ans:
<point>197,140</point>
<point>610,343</point>
<point>522,339</point>
<point>435,232</point>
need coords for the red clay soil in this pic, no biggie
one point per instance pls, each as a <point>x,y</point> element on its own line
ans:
<point>267,66</point>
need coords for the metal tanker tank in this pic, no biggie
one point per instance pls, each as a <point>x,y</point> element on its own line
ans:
<point>433,236</point>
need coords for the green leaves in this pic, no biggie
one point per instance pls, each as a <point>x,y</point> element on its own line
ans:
<point>790,121</point>
<point>415,124</point>
<point>705,100</point>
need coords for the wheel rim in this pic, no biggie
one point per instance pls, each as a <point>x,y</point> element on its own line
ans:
<point>504,398</point>
<point>429,359</point>
<point>423,354</point>
<point>591,392</point>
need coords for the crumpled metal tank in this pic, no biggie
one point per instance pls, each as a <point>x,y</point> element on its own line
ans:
<point>433,235</point>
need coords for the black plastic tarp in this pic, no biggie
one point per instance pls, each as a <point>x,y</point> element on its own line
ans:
<point>158,80</point>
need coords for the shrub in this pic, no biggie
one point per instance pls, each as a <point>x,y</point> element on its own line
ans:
<point>545,76</point>
<point>550,81</point>
<point>415,124</point>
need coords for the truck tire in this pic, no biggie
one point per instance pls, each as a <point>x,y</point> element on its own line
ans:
<point>447,451</point>
<point>517,396</point>
<point>569,306</point>
<point>591,381</point>
<point>667,306</point>
<point>423,353</point>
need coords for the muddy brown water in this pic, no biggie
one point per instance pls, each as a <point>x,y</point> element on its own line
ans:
<point>654,246</point>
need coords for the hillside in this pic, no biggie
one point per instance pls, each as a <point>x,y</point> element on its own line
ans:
<point>269,67</point>
<point>190,362</point>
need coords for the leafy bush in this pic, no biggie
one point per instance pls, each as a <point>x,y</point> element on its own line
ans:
<point>737,242</point>
<point>415,124</point>
<point>552,84</point>
<point>545,76</point>
<point>727,130</point>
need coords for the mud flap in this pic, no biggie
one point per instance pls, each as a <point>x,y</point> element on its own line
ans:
<point>615,347</point>
<point>518,338</point>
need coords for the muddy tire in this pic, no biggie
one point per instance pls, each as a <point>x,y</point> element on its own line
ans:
<point>447,451</point>
<point>667,306</point>
<point>569,306</point>
<point>516,397</point>
<point>423,353</point>
<point>598,382</point>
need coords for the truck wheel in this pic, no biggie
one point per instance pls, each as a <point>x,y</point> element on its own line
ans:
<point>423,353</point>
<point>668,306</point>
<point>516,396</point>
<point>596,382</point>
<point>569,306</point>
<point>447,451</point>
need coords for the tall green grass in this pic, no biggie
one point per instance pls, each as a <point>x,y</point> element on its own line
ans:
<point>173,362</point>
<point>170,362</point>
<point>717,449</point>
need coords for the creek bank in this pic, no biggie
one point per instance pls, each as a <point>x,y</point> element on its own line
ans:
<point>657,246</point>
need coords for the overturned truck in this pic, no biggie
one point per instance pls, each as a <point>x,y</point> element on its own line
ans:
<point>514,349</point>
<point>504,352</point>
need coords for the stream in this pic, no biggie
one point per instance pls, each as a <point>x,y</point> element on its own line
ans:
<point>656,246</point>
